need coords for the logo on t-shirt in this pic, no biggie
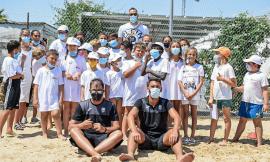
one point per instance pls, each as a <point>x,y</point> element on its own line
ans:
<point>133,34</point>
<point>103,110</point>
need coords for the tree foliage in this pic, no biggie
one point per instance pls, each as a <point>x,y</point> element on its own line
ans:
<point>3,16</point>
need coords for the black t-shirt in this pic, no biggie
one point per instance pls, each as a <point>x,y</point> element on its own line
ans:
<point>153,120</point>
<point>103,113</point>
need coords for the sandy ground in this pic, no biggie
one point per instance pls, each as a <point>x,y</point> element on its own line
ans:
<point>29,146</point>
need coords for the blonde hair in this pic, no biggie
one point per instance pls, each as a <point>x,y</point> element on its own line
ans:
<point>195,50</point>
<point>95,43</point>
<point>37,52</point>
<point>141,46</point>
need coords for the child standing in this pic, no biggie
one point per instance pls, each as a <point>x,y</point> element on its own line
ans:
<point>48,93</point>
<point>190,79</point>
<point>255,98</point>
<point>12,78</point>
<point>115,79</point>
<point>222,81</point>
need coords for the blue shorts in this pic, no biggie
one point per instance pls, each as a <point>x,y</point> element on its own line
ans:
<point>250,110</point>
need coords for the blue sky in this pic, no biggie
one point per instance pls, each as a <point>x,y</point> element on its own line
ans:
<point>42,10</point>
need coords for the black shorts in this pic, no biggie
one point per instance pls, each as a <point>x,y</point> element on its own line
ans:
<point>12,94</point>
<point>153,143</point>
<point>95,139</point>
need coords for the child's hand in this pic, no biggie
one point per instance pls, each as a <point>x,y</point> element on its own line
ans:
<point>68,76</point>
<point>210,102</point>
<point>99,128</point>
<point>35,102</point>
<point>138,64</point>
<point>265,107</point>
<point>220,78</point>
<point>86,124</point>
<point>61,102</point>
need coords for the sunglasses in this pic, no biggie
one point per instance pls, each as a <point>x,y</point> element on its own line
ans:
<point>133,14</point>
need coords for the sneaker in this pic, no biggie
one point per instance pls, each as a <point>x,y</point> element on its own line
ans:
<point>24,120</point>
<point>22,125</point>
<point>34,120</point>
<point>17,126</point>
<point>186,141</point>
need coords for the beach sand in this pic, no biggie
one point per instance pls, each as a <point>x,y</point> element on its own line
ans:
<point>29,146</point>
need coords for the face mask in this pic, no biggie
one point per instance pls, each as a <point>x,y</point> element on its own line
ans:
<point>73,53</point>
<point>50,66</point>
<point>184,49</point>
<point>248,67</point>
<point>26,39</point>
<point>103,60</point>
<point>42,60</point>
<point>217,59</point>
<point>113,43</point>
<point>133,19</point>
<point>36,43</point>
<point>92,64</point>
<point>62,37</point>
<point>103,42</point>
<point>16,55</point>
<point>97,95</point>
<point>166,45</point>
<point>155,93</point>
<point>154,53</point>
<point>175,51</point>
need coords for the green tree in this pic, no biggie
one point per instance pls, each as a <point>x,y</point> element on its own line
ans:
<point>3,16</point>
<point>71,13</point>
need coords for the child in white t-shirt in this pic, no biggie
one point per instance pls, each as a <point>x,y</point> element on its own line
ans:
<point>116,82</point>
<point>48,93</point>
<point>190,80</point>
<point>222,81</point>
<point>254,100</point>
<point>90,74</point>
<point>12,75</point>
<point>74,65</point>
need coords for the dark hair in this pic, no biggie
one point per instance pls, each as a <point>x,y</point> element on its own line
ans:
<point>183,39</point>
<point>21,32</point>
<point>139,45</point>
<point>52,52</point>
<point>180,54</point>
<point>159,47</point>
<point>167,37</point>
<point>153,79</point>
<point>127,44</point>
<point>11,45</point>
<point>32,32</point>
<point>97,80</point>
<point>102,33</point>
<point>148,35</point>
<point>113,35</point>
<point>133,8</point>
<point>79,33</point>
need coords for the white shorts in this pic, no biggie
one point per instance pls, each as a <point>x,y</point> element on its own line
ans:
<point>191,102</point>
<point>42,109</point>
<point>25,92</point>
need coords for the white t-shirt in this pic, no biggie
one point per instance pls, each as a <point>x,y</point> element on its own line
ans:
<point>165,55</point>
<point>35,66</point>
<point>60,47</point>
<point>72,88</point>
<point>253,83</point>
<point>116,83</point>
<point>162,65</point>
<point>171,81</point>
<point>10,67</point>
<point>87,76</point>
<point>27,72</point>
<point>48,82</point>
<point>133,32</point>
<point>222,91</point>
<point>190,77</point>
<point>135,87</point>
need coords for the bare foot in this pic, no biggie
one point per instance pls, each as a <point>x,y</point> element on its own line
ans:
<point>235,140</point>
<point>223,143</point>
<point>45,136</point>
<point>96,158</point>
<point>126,157</point>
<point>62,137</point>
<point>11,134</point>
<point>188,157</point>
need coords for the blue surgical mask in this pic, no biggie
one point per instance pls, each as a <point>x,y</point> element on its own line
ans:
<point>26,39</point>
<point>42,60</point>
<point>133,19</point>
<point>184,49</point>
<point>103,60</point>
<point>154,53</point>
<point>62,37</point>
<point>113,43</point>
<point>73,53</point>
<point>50,65</point>
<point>155,93</point>
<point>103,42</point>
<point>175,51</point>
<point>36,43</point>
<point>16,55</point>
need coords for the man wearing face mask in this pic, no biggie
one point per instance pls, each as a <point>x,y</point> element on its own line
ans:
<point>133,30</point>
<point>94,127</point>
<point>36,41</point>
<point>152,132</point>
<point>60,44</point>
<point>222,81</point>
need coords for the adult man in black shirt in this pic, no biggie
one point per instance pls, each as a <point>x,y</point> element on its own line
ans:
<point>95,125</point>
<point>152,132</point>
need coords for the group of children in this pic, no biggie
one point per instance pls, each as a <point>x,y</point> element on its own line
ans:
<point>61,79</point>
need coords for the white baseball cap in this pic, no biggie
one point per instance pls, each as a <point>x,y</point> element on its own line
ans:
<point>103,50</point>
<point>63,28</point>
<point>255,59</point>
<point>86,46</point>
<point>93,55</point>
<point>159,44</point>
<point>115,57</point>
<point>73,41</point>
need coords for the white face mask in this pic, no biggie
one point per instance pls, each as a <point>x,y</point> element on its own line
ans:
<point>248,67</point>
